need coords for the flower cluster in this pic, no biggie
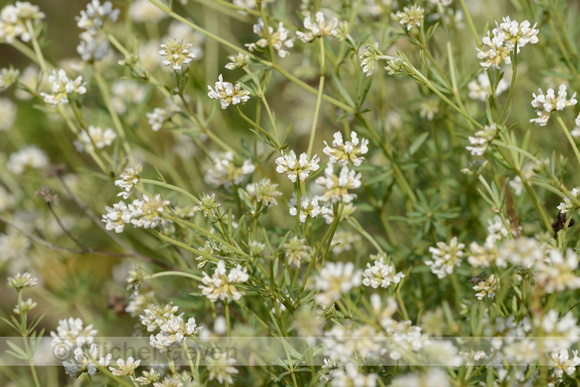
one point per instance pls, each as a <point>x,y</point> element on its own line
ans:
<point>223,171</point>
<point>62,87</point>
<point>145,213</point>
<point>336,279</point>
<point>297,168</point>
<point>445,257</point>
<point>280,39</point>
<point>263,191</point>
<point>481,88</point>
<point>483,138</point>
<point>71,333</point>
<point>296,250</point>
<point>27,157</point>
<point>545,104</point>
<point>177,54</point>
<point>317,29</point>
<point>129,179</point>
<point>337,186</point>
<point>568,206</point>
<point>309,208</point>
<point>94,44</point>
<point>13,20</point>
<point>486,287</point>
<point>381,274</point>
<point>342,152</point>
<point>557,273</point>
<point>227,93</point>
<point>503,39</point>
<point>222,285</point>
<point>409,17</point>
<point>86,361</point>
<point>97,136</point>
<point>173,330</point>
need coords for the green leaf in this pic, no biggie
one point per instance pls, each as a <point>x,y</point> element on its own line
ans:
<point>343,91</point>
<point>17,352</point>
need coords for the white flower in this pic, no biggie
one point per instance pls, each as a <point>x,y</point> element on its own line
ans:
<point>337,186</point>
<point>147,213</point>
<point>433,377</point>
<point>62,86</point>
<point>343,240</point>
<point>158,117</point>
<point>101,138</point>
<point>561,363</point>
<point>71,333</point>
<point>141,11</point>
<point>296,250</point>
<point>343,152</point>
<point>381,274</point>
<point>334,280</point>
<point>318,29</point>
<point>21,281</point>
<point>94,17</point>
<point>280,39</point>
<point>8,114</point>
<point>177,54</point>
<point>13,20</point>
<point>14,246</point>
<point>545,104</point>
<point>173,332</point>
<point>117,217</point>
<point>559,333</point>
<point>125,92</point>
<point>567,206</point>
<point>7,200</point>
<point>129,179</point>
<point>263,191</point>
<point>297,168</point>
<point>351,377</point>
<point>308,208</point>
<point>409,17</point>
<point>525,252</point>
<point>28,157</point>
<point>480,89</point>
<point>445,257</point>
<point>486,288</point>
<point>125,368</point>
<point>227,93</point>
<point>93,47</point>
<point>556,274</point>
<point>222,284</point>
<point>513,34</point>
<point>221,368</point>
<point>86,363</point>
<point>483,138</point>
<point>484,256</point>
<point>224,172</point>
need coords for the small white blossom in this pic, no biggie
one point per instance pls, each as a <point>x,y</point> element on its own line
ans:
<point>101,138</point>
<point>13,20</point>
<point>567,206</point>
<point>263,191</point>
<point>125,368</point>
<point>88,363</point>
<point>561,363</point>
<point>8,113</point>
<point>280,39</point>
<point>480,89</point>
<point>147,213</point>
<point>297,168</point>
<point>221,368</point>
<point>557,273</point>
<point>21,281</point>
<point>224,172</point>
<point>28,157</point>
<point>309,208</point>
<point>95,16</point>
<point>142,11</point>
<point>296,250</point>
<point>483,138</point>
<point>525,252</point>
<point>129,179</point>
<point>71,333</point>
<point>117,217</point>
<point>62,86</point>
<point>343,152</point>
<point>409,17</point>
<point>14,246</point>
<point>317,29</point>
<point>559,332</point>
<point>177,54</point>
<point>227,93</point>
<point>486,288</point>
<point>221,285</point>
<point>336,279</point>
<point>445,257</point>
<point>337,186</point>
<point>381,274</point>
<point>545,104</point>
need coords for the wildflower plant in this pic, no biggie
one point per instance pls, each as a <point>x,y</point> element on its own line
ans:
<point>381,190</point>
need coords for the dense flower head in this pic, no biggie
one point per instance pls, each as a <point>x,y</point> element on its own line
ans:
<point>280,39</point>
<point>155,316</point>
<point>295,168</point>
<point>337,186</point>
<point>309,208</point>
<point>8,76</point>
<point>97,136</point>
<point>96,14</point>
<point>142,11</point>
<point>445,257</point>
<point>503,39</point>
<point>176,53</point>
<point>567,206</point>
<point>27,157</point>
<point>369,58</point>
<point>227,93</point>
<point>486,287</point>
<point>21,281</point>
<point>296,250</point>
<point>557,273</point>
<point>545,104</point>
<point>317,29</point>
<point>73,333</point>
<point>128,180</point>
<point>173,331</point>
<point>86,362</point>
<point>117,217</point>
<point>486,255</point>
<point>559,332</point>
<point>481,88</point>
<point>263,191</point>
<point>221,368</point>
<point>125,368</point>
<point>62,86</point>
<point>336,279</point>
<point>342,152</point>
<point>222,285</point>
<point>381,274</point>
<point>562,363</point>
<point>148,213</point>
<point>240,60</point>
<point>13,20</point>
<point>409,17</point>
<point>524,252</point>
<point>482,139</point>
<point>224,172</point>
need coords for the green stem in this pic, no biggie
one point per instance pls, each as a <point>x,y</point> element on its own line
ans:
<point>570,139</point>
<point>171,187</point>
<point>470,22</point>
<point>512,87</point>
<point>175,274</point>
<point>319,99</point>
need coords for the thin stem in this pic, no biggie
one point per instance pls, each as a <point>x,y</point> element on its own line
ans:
<point>470,22</point>
<point>512,87</point>
<point>570,139</point>
<point>319,99</point>
<point>174,274</point>
<point>171,187</point>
